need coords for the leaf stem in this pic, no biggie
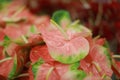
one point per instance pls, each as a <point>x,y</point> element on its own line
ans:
<point>49,72</point>
<point>61,30</point>
<point>74,23</point>
<point>116,56</point>
<point>5,59</point>
<point>22,75</point>
<point>17,12</point>
<point>24,38</point>
<point>97,66</point>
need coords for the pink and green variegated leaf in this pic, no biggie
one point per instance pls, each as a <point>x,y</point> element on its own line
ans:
<point>13,70</point>
<point>66,44</point>
<point>98,65</point>
<point>55,71</point>
<point>12,60</point>
<point>77,29</point>
<point>43,71</point>
<point>5,66</point>
<point>63,46</point>
<point>74,75</point>
<point>40,52</point>
<point>8,67</point>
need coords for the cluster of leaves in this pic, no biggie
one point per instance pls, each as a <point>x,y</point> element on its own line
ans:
<point>66,52</point>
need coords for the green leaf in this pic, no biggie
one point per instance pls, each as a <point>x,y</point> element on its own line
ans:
<point>106,50</point>
<point>74,75</point>
<point>3,3</point>
<point>33,29</point>
<point>6,38</point>
<point>13,73</point>
<point>61,16</point>
<point>74,66</point>
<point>108,56</point>
<point>36,66</point>
<point>6,41</point>
<point>106,44</point>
